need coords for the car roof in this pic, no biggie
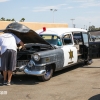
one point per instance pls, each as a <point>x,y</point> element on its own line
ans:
<point>59,31</point>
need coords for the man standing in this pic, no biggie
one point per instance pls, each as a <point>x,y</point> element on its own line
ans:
<point>8,46</point>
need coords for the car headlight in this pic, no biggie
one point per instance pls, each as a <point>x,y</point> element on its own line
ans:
<point>36,57</point>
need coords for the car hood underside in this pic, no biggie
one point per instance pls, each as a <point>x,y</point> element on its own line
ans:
<point>25,34</point>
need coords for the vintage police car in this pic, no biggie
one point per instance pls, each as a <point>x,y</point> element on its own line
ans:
<point>49,49</point>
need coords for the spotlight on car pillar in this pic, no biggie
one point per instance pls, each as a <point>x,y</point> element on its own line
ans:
<point>44,29</point>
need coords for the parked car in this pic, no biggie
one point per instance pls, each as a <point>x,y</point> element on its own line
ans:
<point>49,50</point>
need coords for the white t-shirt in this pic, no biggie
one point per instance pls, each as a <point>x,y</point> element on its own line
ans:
<point>8,41</point>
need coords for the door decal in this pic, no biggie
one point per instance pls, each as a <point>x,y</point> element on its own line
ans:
<point>70,56</point>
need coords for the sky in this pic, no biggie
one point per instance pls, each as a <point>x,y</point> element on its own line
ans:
<point>81,13</point>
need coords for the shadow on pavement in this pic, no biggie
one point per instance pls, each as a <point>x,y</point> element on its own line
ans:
<point>95,97</point>
<point>90,67</point>
<point>23,79</point>
<point>65,70</point>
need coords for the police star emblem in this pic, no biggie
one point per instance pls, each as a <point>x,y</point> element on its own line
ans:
<point>71,54</point>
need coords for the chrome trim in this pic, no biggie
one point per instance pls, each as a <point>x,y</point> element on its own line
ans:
<point>35,64</point>
<point>36,73</point>
<point>48,56</point>
<point>31,63</point>
<point>21,68</point>
<point>39,64</point>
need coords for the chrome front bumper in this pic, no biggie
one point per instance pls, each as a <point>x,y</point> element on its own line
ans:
<point>24,66</point>
<point>34,72</point>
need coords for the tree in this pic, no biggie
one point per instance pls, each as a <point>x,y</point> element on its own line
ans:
<point>8,19</point>
<point>2,19</point>
<point>22,20</point>
<point>97,29</point>
<point>13,19</point>
<point>92,28</point>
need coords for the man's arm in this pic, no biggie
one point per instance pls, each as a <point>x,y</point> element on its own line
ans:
<point>22,44</point>
<point>18,41</point>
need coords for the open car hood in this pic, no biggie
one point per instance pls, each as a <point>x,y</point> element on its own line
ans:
<point>25,34</point>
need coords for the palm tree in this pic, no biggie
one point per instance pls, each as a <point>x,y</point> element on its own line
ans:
<point>22,20</point>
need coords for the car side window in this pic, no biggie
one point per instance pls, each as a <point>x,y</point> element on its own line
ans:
<point>67,39</point>
<point>77,36</point>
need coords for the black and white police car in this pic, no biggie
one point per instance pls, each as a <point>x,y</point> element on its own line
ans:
<point>50,49</point>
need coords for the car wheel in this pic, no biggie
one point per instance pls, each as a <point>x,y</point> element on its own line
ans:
<point>47,75</point>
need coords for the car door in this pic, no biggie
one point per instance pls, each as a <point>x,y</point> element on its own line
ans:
<point>94,50</point>
<point>70,52</point>
<point>93,47</point>
<point>85,45</point>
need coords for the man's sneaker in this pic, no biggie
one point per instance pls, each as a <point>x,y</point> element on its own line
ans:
<point>8,83</point>
<point>5,82</point>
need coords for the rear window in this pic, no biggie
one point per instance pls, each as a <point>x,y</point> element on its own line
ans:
<point>77,34</point>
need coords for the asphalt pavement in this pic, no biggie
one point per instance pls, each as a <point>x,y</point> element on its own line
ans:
<point>75,83</point>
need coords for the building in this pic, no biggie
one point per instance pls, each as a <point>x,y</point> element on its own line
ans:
<point>34,25</point>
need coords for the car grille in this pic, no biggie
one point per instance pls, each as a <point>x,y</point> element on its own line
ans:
<point>22,62</point>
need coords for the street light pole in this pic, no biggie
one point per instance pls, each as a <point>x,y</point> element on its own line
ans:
<point>53,10</point>
<point>72,22</point>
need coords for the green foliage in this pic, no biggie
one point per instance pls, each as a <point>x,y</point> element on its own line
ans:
<point>13,19</point>
<point>22,20</point>
<point>8,19</point>
<point>3,19</point>
<point>92,28</point>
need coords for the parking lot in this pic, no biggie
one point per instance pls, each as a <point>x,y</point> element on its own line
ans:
<point>75,83</point>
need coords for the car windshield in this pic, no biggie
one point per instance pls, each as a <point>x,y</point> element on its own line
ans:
<point>52,39</point>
